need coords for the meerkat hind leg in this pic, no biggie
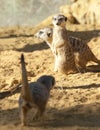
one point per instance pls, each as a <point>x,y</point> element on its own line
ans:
<point>24,111</point>
<point>39,113</point>
<point>82,67</point>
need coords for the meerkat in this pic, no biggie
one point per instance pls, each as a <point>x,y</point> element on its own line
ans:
<point>46,35</point>
<point>65,61</point>
<point>34,94</point>
<point>81,50</point>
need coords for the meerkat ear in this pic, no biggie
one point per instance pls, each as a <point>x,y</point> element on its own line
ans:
<point>65,18</point>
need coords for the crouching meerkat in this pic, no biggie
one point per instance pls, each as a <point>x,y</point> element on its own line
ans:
<point>34,94</point>
<point>81,50</point>
<point>65,61</point>
<point>82,53</point>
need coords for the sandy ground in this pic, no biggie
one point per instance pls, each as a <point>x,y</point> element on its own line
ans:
<point>75,101</point>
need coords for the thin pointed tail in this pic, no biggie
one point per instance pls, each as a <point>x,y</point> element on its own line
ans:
<point>96,60</point>
<point>25,92</point>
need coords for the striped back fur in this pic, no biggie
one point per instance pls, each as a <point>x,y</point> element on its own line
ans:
<point>81,50</point>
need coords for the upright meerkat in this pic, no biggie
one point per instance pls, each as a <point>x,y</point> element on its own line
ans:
<point>81,50</point>
<point>34,94</point>
<point>65,61</point>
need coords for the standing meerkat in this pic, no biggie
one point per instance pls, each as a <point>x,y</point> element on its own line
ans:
<point>65,61</point>
<point>34,94</point>
<point>81,50</point>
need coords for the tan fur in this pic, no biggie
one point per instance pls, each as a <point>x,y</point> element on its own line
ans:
<point>65,61</point>
<point>81,50</point>
<point>35,94</point>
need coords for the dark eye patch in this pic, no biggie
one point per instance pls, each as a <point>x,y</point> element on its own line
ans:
<point>60,19</point>
<point>40,32</point>
<point>54,19</point>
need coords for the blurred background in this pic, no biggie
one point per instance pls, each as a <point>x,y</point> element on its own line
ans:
<point>27,12</point>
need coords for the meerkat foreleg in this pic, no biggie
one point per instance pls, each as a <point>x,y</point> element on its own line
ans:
<point>56,63</point>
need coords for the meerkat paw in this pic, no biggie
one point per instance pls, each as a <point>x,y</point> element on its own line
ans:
<point>72,72</point>
<point>82,70</point>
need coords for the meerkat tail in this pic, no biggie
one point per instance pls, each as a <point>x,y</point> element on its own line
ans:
<point>96,60</point>
<point>25,91</point>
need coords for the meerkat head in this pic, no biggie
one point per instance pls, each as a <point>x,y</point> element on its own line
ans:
<point>47,80</point>
<point>59,20</point>
<point>45,34</point>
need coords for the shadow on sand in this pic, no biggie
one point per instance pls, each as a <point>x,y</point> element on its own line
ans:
<point>85,35</point>
<point>18,89</point>
<point>36,46</point>
<point>68,117</point>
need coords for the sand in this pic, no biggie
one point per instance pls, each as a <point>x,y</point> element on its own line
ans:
<point>74,102</point>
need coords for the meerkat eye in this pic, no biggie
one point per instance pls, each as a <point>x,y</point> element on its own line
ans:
<point>40,32</point>
<point>54,19</point>
<point>61,19</point>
